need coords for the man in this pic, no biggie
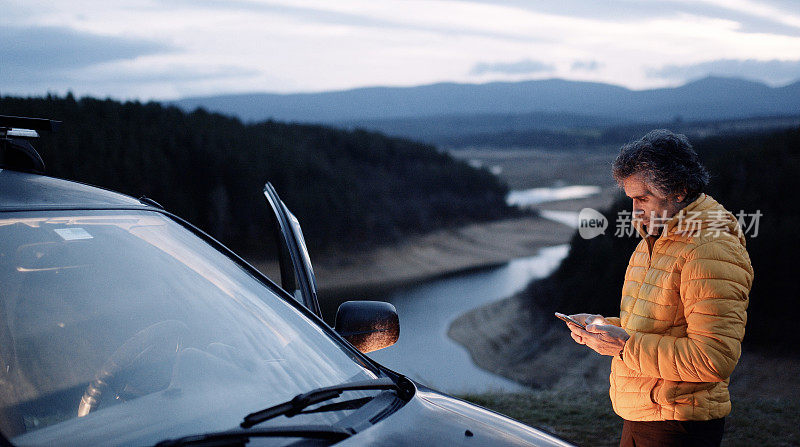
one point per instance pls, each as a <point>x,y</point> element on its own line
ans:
<point>684,301</point>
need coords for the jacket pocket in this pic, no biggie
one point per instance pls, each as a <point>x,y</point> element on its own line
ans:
<point>668,393</point>
<point>655,390</point>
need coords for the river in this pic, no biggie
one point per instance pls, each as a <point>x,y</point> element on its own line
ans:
<point>424,351</point>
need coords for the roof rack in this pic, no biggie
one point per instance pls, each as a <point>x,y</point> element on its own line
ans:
<point>16,152</point>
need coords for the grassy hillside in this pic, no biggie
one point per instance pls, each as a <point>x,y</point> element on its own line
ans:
<point>586,418</point>
<point>753,173</point>
<point>348,188</point>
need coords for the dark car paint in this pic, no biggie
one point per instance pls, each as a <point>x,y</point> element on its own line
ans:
<point>25,191</point>
<point>428,418</point>
<point>449,421</point>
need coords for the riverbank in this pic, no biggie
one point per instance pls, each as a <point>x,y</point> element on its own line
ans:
<point>451,251</point>
<point>503,338</point>
<point>438,254</point>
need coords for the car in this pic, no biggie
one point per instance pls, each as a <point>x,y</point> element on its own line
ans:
<point>123,324</point>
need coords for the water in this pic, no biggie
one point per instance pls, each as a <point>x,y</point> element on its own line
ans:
<point>568,218</point>
<point>535,196</point>
<point>425,353</point>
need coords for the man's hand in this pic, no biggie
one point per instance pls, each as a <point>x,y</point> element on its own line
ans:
<point>605,339</point>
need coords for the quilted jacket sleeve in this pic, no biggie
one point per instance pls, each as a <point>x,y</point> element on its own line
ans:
<point>715,282</point>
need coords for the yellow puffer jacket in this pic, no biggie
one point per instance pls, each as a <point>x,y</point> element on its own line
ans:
<point>684,304</point>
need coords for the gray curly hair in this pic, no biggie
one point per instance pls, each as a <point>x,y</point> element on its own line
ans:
<point>667,161</point>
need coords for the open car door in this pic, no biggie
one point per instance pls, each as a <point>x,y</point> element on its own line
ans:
<point>296,273</point>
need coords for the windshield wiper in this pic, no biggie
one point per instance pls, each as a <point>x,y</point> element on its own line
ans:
<point>295,406</point>
<point>241,437</point>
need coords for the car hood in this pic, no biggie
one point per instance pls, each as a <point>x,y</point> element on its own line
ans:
<point>432,418</point>
<point>428,418</point>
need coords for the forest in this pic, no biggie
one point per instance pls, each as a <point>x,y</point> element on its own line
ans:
<point>350,189</point>
<point>749,172</point>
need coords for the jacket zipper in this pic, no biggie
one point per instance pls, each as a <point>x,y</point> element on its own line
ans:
<point>649,260</point>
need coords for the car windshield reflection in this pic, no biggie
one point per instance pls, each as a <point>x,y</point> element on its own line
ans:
<point>124,323</point>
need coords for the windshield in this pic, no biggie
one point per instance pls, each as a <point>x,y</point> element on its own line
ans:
<point>124,325</point>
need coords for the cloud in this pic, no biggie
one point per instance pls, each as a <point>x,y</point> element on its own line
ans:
<point>328,14</point>
<point>775,72</point>
<point>589,65</point>
<point>771,17</point>
<point>47,48</point>
<point>525,66</point>
<point>51,48</point>
<point>165,47</point>
<point>44,58</point>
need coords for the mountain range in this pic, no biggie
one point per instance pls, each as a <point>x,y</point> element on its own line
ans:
<point>540,112</point>
<point>708,98</point>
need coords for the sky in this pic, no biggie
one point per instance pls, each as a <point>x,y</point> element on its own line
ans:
<point>168,49</point>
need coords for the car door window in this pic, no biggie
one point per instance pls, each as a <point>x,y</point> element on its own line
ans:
<point>293,261</point>
<point>276,261</point>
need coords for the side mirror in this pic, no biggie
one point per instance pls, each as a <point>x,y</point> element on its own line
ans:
<point>368,325</point>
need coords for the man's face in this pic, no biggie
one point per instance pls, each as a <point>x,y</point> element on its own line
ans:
<point>649,205</point>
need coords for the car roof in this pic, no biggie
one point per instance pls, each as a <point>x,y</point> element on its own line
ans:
<point>22,190</point>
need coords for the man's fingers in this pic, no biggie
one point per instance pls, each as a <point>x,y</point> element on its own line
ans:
<point>579,331</point>
<point>598,334</point>
<point>595,328</point>
<point>587,338</point>
<point>594,319</point>
<point>598,328</point>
